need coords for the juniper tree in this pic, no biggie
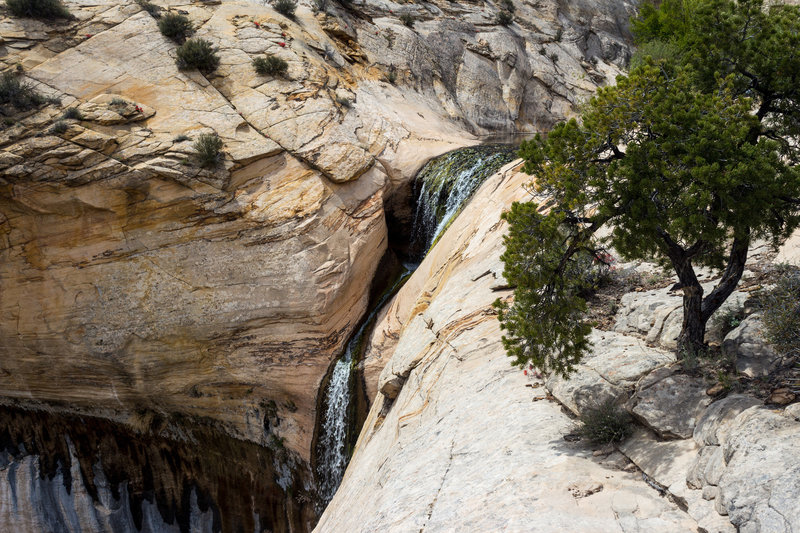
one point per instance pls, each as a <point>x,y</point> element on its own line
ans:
<point>688,159</point>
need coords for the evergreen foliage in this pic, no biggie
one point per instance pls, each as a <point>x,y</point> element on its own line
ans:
<point>199,54</point>
<point>175,26</point>
<point>270,66</point>
<point>43,9</point>
<point>688,158</point>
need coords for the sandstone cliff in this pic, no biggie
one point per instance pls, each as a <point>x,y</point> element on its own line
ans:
<point>457,439</point>
<point>136,285</point>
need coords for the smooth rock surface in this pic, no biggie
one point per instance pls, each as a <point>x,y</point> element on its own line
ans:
<point>746,345</point>
<point>761,482</point>
<point>465,445</point>
<point>714,424</point>
<point>671,406</point>
<point>615,363</point>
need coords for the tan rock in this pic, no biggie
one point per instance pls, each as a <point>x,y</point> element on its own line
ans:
<point>462,447</point>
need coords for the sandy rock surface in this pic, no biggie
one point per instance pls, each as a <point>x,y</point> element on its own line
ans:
<point>469,443</point>
<point>136,283</point>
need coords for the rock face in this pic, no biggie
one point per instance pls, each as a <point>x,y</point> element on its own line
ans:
<point>670,406</point>
<point>134,281</point>
<point>748,465</point>
<point>745,344</point>
<point>91,475</point>
<point>728,462</point>
<point>453,441</point>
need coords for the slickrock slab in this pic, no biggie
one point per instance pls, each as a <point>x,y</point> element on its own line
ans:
<point>760,486</point>
<point>753,355</point>
<point>671,406</point>
<point>465,445</point>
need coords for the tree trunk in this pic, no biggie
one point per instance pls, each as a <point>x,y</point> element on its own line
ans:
<point>693,331</point>
<point>731,276</point>
<point>696,309</point>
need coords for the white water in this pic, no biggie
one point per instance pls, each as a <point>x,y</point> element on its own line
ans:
<point>332,447</point>
<point>433,212</point>
<point>464,187</point>
<point>333,455</point>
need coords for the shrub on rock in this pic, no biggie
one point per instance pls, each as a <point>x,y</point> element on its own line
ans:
<point>208,146</point>
<point>175,26</point>
<point>270,66</point>
<point>18,94</point>
<point>285,7</point>
<point>781,314</point>
<point>43,9</point>
<point>605,424</point>
<point>199,54</point>
<point>504,18</point>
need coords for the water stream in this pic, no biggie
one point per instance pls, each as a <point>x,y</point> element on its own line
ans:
<point>334,452</point>
<point>444,185</point>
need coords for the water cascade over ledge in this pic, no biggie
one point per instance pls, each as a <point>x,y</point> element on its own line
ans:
<point>444,185</point>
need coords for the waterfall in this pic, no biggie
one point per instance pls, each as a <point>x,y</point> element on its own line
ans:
<point>332,447</point>
<point>445,184</point>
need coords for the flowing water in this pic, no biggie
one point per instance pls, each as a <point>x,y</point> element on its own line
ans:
<point>333,445</point>
<point>444,184</point>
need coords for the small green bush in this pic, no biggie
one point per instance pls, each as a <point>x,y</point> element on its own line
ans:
<point>781,314</point>
<point>605,424</point>
<point>43,9</point>
<point>508,5</point>
<point>285,7</point>
<point>72,113</point>
<point>504,18</point>
<point>199,54</point>
<point>559,34</point>
<point>407,19</point>
<point>118,102</point>
<point>17,93</point>
<point>270,66</point>
<point>175,26</point>
<point>58,128</point>
<point>728,320</point>
<point>150,7</point>
<point>208,146</point>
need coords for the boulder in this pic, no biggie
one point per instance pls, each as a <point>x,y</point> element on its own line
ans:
<point>713,425</point>
<point>753,355</point>
<point>760,486</point>
<point>671,406</point>
<point>615,363</point>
